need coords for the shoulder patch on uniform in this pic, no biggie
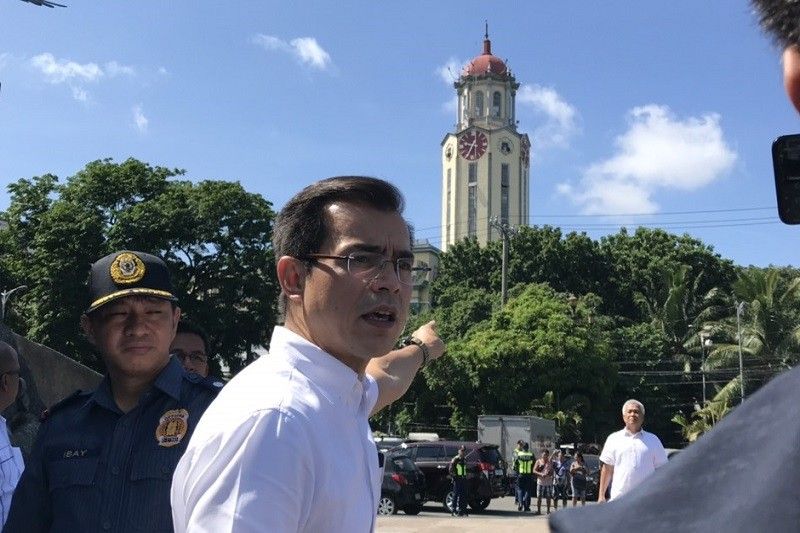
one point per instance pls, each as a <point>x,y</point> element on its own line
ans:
<point>58,405</point>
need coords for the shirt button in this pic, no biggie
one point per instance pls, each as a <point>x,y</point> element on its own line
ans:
<point>115,470</point>
<point>106,525</point>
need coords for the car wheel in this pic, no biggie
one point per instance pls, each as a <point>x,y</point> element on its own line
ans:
<point>448,501</point>
<point>480,505</point>
<point>386,506</point>
<point>413,509</point>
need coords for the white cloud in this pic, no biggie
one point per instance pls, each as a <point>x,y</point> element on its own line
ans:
<point>139,120</point>
<point>658,151</point>
<point>5,57</point>
<point>163,71</point>
<point>61,70</point>
<point>306,50</point>
<point>561,118</point>
<point>79,94</point>
<point>57,71</point>
<point>450,71</point>
<point>115,69</point>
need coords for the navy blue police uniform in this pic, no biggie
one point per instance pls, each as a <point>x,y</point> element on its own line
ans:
<point>95,468</point>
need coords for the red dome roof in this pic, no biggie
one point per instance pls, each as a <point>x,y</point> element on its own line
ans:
<point>486,63</point>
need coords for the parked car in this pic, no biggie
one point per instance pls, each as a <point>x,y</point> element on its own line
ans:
<point>486,471</point>
<point>403,486</point>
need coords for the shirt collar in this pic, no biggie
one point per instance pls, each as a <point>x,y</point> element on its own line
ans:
<point>630,434</point>
<point>168,381</point>
<point>336,379</point>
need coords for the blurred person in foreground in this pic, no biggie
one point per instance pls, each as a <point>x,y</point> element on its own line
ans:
<point>722,482</point>
<point>287,446</point>
<point>103,459</point>
<point>11,463</point>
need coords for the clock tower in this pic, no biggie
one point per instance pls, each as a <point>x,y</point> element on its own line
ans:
<point>485,162</point>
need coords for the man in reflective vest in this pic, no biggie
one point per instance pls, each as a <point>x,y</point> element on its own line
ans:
<point>458,471</point>
<point>524,468</point>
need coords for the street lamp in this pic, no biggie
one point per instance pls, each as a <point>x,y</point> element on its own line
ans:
<point>4,297</point>
<point>705,342</point>
<point>739,310</point>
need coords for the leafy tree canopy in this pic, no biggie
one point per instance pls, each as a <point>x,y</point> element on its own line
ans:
<point>214,235</point>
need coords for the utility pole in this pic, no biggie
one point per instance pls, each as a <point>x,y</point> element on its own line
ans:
<point>4,297</point>
<point>506,231</point>
<point>705,341</point>
<point>739,310</point>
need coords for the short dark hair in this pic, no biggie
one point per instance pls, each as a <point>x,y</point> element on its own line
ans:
<point>780,19</point>
<point>302,225</point>
<point>187,326</point>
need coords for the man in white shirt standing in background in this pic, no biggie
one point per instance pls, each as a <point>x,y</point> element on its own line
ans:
<point>287,446</point>
<point>11,464</point>
<point>629,455</point>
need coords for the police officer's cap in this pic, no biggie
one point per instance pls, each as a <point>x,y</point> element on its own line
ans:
<point>128,273</point>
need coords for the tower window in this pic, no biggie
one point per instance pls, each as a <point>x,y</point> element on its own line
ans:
<point>496,99</point>
<point>448,201</point>
<point>478,104</point>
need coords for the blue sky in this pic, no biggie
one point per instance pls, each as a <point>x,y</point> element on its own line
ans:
<point>664,108</point>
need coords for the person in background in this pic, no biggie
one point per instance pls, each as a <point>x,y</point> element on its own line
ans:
<point>11,463</point>
<point>560,478</point>
<point>190,346</point>
<point>629,455</point>
<point>577,474</point>
<point>514,455</point>
<point>543,469</point>
<point>458,471</point>
<point>524,468</point>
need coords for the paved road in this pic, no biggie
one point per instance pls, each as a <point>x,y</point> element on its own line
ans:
<point>501,517</point>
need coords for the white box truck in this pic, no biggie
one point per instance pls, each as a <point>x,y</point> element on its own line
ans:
<point>506,430</point>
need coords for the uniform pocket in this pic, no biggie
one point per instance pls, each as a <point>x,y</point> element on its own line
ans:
<point>72,472</point>
<point>150,481</point>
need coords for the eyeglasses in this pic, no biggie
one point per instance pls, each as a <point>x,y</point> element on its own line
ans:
<point>195,357</point>
<point>370,265</point>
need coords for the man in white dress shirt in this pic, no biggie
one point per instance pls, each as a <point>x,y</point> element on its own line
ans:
<point>11,464</point>
<point>629,455</point>
<point>287,446</point>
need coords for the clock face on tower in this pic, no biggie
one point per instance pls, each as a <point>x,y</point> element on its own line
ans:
<point>472,145</point>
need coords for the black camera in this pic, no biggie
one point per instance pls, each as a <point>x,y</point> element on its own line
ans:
<point>786,163</point>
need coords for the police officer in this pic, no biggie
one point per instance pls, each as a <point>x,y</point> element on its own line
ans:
<point>524,468</point>
<point>103,460</point>
<point>458,470</point>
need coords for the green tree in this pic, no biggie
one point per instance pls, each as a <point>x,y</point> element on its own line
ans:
<point>639,263</point>
<point>215,237</point>
<point>769,327</point>
<point>535,344</point>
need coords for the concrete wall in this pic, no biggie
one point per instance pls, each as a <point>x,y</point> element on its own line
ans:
<point>50,377</point>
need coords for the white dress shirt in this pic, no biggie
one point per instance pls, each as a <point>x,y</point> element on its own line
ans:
<point>285,447</point>
<point>634,456</point>
<point>11,467</point>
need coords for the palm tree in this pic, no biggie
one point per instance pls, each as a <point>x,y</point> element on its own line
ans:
<point>706,417</point>
<point>770,333</point>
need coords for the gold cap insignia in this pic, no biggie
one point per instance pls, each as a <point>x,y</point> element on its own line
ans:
<point>127,268</point>
<point>172,427</point>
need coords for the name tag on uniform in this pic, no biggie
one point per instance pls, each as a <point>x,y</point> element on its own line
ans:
<point>172,427</point>
<point>69,454</point>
